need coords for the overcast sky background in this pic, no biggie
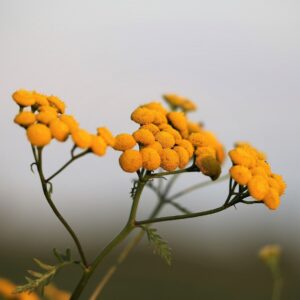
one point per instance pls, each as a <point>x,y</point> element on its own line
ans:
<point>239,60</point>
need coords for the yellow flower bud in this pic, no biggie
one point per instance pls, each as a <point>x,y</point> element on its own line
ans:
<point>23,98</point>
<point>56,102</point>
<point>220,151</point>
<point>178,120</point>
<point>272,199</point>
<point>205,151</point>
<point>144,136</point>
<point>173,99</point>
<point>143,115</point>
<point>209,166</point>
<point>199,139</point>
<point>82,138</point>
<point>252,151</point>
<point>188,105</point>
<point>169,159</point>
<point>165,139</point>
<point>281,183</point>
<point>124,141</point>
<point>259,171</point>
<point>156,106</point>
<point>240,157</point>
<point>258,187</point>
<point>70,121</point>
<point>194,127</point>
<point>151,158</point>
<point>240,174</point>
<point>131,161</point>
<point>25,118</point>
<point>264,165</point>
<point>106,135</point>
<point>151,127</point>
<point>59,130</point>
<point>40,99</point>
<point>38,135</point>
<point>159,118</point>
<point>156,146</point>
<point>98,145</point>
<point>46,117</point>
<point>173,132</point>
<point>48,108</point>
<point>187,145</point>
<point>183,156</point>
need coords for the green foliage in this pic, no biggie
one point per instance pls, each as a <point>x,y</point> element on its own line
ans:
<point>160,246</point>
<point>39,280</point>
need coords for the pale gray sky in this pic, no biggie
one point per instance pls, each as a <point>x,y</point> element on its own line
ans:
<point>239,60</point>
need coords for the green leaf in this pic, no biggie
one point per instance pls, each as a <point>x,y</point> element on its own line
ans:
<point>160,246</point>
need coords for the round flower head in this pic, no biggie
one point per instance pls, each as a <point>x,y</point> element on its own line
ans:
<point>151,158</point>
<point>40,99</point>
<point>272,199</point>
<point>70,121</point>
<point>264,165</point>
<point>183,156</point>
<point>46,117</point>
<point>159,118</point>
<point>178,120</point>
<point>48,108</point>
<point>188,105</point>
<point>173,99</point>
<point>98,145</point>
<point>281,183</point>
<point>106,135</point>
<point>252,151</point>
<point>156,146</point>
<point>131,161</point>
<point>25,118</point>
<point>82,138</point>
<point>258,187</point>
<point>199,139</point>
<point>165,139</point>
<point>151,127</point>
<point>156,106</point>
<point>174,133</point>
<point>38,135</point>
<point>56,102</point>
<point>144,136</point>
<point>209,166</point>
<point>59,130</point>
<point>259,171</point>
<point>143,115</point>
<point>124,141</point>
<point>220,151</point>
<point>241,157</point>
<point>194,127</point>
<point>206,151</point>
<point>169,159</point>
<point>23,98</point>
<point>240,174</point>
<point>187,145</point>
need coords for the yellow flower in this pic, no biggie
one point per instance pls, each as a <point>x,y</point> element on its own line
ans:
<point>106,135</point>
<point>156,106</point>
<point>187,145</point>
<point>38,135</point>
<point>220,151</point>
<point>173,99</point>
<point>241,157</point>
<point>25,118</point>
<point>199,139</point>
<point>46,117</point>
<point>169,159</point>
<point>40,99</point>
<point>70,121</point>
<point>206,151</point>
<point>263,164</point>
<point>151,127</point>
<point>7,288</point>
<point>143,115</point>
<point>144,136</point>
<point>59,130</point>
<point>82,138</point>
<point>131,161</point>
<point>259,171</point>
<point>124,141</point>
<point>151,158</point>
<point>98,145</point>
<point>272,199</point>
<point>251,150</point>
<point>165,139</point>
<point>194,127</point>
<point>240,174</point>
<point>53,293</point>
<point>183,156</point>
<point>258,187</point>
<point>178,120</point>
<point>60,105</point>
<point>209,166</point>
<point>173,132</point>
<point>159,118</point>
<point>156,146</point>
<point>281,183</point>
<point>23,98</point>
<point>47,108</point>
<point>188,105</point>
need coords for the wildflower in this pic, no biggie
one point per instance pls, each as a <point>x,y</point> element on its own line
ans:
<point>151,158</point>
<point>187,145</point>
<point>70,121</point>
<point>173,99</point>
<point>124,141</point>
<point>272,199</point>
<point>40,99</point>
<point>165,139</point>
<point>281,183</point>
<point>98,145</point>
<point>156,146</point>
<point>57,103</point>
<point>169,159</point>
<point>259,171</point>
<point>38,135</point>
<point>258,187</point>
<point>156,106</point>
<point>159,118</point>
<point>106,135</point>
<point>173,132</point>
<point>183,156</point>
<point>46,117</point>
<point>240,174</point>
<point>220,152</point>
<point>209,166</point>
<point>23,98</point>
<point>143,115</point>
<point>131,161</point>
<point>82,138</point>
<point>59,130</point>
<point>194,127</point>
<point>188,105</point>
<point>263,164</point>
<point>206,151</point>
<point>199,139</point>
<point>241,157</point>
<point>144,136</point>
<point>178,120</point>
<point>151,127</point>
<point>25,118</point>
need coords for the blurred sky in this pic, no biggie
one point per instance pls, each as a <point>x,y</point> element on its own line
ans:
<point>239,60</point>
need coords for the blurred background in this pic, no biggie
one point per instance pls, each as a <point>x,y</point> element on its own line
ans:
<point>238,60</point>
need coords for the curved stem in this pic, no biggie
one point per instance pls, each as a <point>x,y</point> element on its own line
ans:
<point>38,160</point>
<point>159,175</point>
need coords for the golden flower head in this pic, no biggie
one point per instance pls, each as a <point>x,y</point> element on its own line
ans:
<point>272,199</point>
<point>188,105</point>
<point>23,98</point>
<point>157,106</point>
<point>205,151</point>
<point>240,174</point>
<point>209,166</point>
<point>194,127</point>
<point>144,136</point>
<point>240,156</point>
<point>183,156</point>
<point>143,115</point>
<point>159,118</point>
<point>70,121</point>
<point>98,145</point>
<point>131,160</point>
<point>151,158</point>
<point>40,99</point>
<point>175,133</point>
<point>165,139</point>
<point>124,141</point>
<point>59,130</point>
<point>151,127</point>
<point>178,120</point>
<point>258,187</point>
<point>156,146</point>
<point>38,135</point>
<point>173,99</point>
<point>57,103</point>
<point>106,135</point>
<point>187,145</point>
<point>82,138</point>
<point>169,159</point>
<point>47,108</point>
<point>25,118</point>
<point>46,117</point>
<point>281,183</point>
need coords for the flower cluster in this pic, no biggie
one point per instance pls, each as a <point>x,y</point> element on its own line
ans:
<point>251,169</point>
<point>168,140</point>
<point>44,119</point>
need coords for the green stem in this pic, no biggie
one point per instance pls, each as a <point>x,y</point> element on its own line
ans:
<point>162,174</point>
<point>38,161</point>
